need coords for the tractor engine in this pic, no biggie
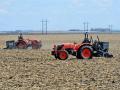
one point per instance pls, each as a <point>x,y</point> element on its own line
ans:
<point>69,47</point>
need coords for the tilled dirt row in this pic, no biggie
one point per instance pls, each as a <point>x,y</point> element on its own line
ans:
<point>37,70</point>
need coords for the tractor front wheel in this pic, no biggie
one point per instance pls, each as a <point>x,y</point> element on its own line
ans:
<point>85,52</point>
<point>63,55</point>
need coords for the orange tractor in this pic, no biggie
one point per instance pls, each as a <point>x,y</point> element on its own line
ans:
<point>22,43</point>
<point>85,50</point>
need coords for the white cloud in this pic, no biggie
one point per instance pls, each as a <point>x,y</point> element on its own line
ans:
<point>4,6</point>
<point>4,11</point>
<point>98,3</point>
<point>78,3</point>
<point>103,3</point>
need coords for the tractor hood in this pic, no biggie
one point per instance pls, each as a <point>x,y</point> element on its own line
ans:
<point>69,45</point>
<point>74,46</point>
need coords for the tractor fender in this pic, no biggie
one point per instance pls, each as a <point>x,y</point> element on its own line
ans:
<point>22,43</point>
<point>78,47</point>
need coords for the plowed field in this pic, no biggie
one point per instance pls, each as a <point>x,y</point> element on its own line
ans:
<point>38,70</point>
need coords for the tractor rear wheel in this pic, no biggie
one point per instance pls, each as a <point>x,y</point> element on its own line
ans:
<point>63,55</point>
<point>21,45</point>
<point>85,52</point>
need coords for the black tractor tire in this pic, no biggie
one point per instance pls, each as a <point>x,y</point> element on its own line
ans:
<point>85,52</point>
<point>21,45</point>
<point>62,55</point>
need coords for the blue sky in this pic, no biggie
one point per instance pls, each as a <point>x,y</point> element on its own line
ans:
<point>61,14</point>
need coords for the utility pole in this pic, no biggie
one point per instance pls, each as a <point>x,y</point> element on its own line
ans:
<point>86,26</point>
<point>42,22</point>
<point>110,28</point>
<point>44,26</point>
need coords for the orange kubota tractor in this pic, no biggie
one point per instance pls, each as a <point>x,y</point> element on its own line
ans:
<point>84,50</point>
<point>22,43</point>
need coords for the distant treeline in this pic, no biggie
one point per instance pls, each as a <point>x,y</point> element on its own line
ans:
<point>68,32</point>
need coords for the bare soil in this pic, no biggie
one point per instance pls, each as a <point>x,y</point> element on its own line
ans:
<point>38,70</point>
